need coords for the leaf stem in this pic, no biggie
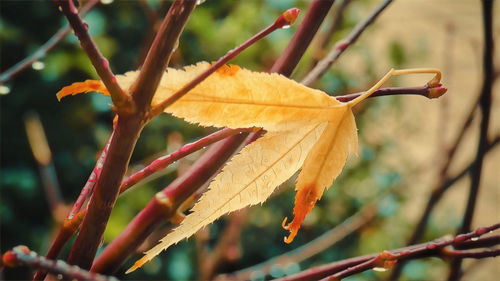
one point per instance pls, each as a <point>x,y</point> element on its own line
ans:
<point>323,65</point>
<point>120,99</point>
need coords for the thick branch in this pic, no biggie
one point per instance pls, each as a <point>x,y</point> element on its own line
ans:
<point>120,99</point>
<point>302,38</point>
<point>125,136</point>
<point>339,48</point>
<point>105,192</point>
<point>164,205</point>
<point>159,55</point>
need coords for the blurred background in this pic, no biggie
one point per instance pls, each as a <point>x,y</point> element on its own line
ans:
<point>403,139</point>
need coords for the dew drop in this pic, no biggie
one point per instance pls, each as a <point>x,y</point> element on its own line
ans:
<point>106,2</point>
<point>4,90</point>
<point>59,276</point>
<point>199,2</point>
<point>380,269</point>
<point>204,147</point>
<point>38,65</point>
<point>286,26</point>
<point>474,238</point>
<point>60,9</point>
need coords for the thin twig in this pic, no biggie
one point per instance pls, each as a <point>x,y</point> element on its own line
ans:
<point>22,255</point>
<point>89,185</point>
<point>340,47</point>
<point>164,161</point>
<point>325,38</point>
<point>45,48</point>
<point>309,249</point>
<point>444,182</point>
<point>485,107</point>
<point>286,19</point>
<point>41,151</point>
<point>120,99</point>
<point>386,259</point>
<point>164,205</point>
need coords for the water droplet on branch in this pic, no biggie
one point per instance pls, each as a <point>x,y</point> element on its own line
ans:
<point>38,65</point>
<point>4,90</point>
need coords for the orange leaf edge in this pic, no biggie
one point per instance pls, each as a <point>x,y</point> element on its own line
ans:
<point>305,200</point>
<point>82,87</point>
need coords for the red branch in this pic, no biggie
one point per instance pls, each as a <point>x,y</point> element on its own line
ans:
<point>21,255</point>
<point>158,57</point>
<point>286,19</point>
<point>164,161</point>
<point>125,136</point>
<point>302,38</point>
<point>386,259</point>
<point>144,224</point>
<point>164,205</point>
<point>120,99</point>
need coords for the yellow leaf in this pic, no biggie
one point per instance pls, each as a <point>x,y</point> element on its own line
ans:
<point>322,166</point>
<point>239,98</point>
<point>248,179</point>
<point>304,128</point>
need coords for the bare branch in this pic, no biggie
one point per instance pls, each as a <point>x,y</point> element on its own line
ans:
<point>120,99</point>
<point>339,48</point>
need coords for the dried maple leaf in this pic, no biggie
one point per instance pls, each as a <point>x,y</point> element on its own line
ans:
<point>304,128</point>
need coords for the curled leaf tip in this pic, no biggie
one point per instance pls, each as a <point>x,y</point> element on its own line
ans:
<point>437,92</point>
<point>287,18</point>
<point>82,87</point>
